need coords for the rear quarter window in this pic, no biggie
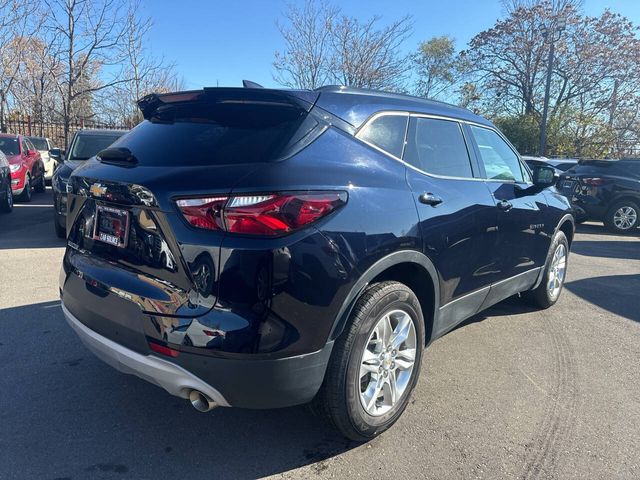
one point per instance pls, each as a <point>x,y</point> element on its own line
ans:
<point>386,132</point>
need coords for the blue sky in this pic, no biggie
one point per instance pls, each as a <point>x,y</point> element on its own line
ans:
<point>222,42</point>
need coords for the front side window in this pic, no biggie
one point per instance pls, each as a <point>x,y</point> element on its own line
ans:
<point>500,161</point>
<point>386,132</point>
<point>87,145</point>
<point>437,147</point>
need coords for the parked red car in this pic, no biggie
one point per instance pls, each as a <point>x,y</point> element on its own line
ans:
<point>27,167</point>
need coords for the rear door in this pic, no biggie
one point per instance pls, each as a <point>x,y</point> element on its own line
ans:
<point>522,241</point>
<point>457,215</point>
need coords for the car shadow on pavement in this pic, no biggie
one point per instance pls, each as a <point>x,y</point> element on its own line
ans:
<point>607,249</point>
<point>600,229</point>
<point>617,294</point>
<point>85,419</point>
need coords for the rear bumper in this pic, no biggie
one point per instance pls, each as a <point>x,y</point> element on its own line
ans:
<point>173,378</point>
<point>238,382</point>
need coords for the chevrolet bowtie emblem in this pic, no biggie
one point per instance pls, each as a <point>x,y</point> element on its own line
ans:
<point>98,190</point>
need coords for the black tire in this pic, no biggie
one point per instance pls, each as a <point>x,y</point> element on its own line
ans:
<point>7,204</point>
<point>542,296</point>
<point>612,223</point>
<point>40,186</point>
<point>25,196</point>
<point>339,397</point>
<point>61,232</point>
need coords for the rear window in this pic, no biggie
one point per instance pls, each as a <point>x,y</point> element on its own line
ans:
<point>201,134</point>
<point>86,146</point>
<point>602,167</point>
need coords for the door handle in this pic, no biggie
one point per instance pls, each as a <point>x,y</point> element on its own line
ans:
<point>504,205</point>
<point>430,199</point>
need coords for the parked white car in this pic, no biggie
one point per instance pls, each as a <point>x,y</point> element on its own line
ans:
<point>43,145</point>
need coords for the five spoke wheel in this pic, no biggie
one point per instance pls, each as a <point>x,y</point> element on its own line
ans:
<point>387,362</point>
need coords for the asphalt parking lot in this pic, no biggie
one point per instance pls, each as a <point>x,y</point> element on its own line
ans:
<point>513,393</point>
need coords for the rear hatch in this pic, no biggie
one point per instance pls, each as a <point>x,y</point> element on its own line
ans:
<point>586,175</point>
<point>128,242</point>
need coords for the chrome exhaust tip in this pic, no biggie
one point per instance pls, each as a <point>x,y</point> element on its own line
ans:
<point>201,402</point>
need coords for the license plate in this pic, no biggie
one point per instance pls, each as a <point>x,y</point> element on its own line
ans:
<point>567,185</point>
<point>111,226</point>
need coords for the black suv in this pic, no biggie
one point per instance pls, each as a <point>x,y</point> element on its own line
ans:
<point>84,144</point>
<point>606,191</point>
<point>264,248</point>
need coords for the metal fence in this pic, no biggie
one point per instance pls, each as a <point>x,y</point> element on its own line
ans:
<point>52,130</point>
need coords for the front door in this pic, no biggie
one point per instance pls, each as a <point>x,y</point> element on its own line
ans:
<point>522,241</point>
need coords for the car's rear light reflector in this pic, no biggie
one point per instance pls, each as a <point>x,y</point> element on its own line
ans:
<point>163,350</point>
<point>595,181</point>
<point>264,214</point>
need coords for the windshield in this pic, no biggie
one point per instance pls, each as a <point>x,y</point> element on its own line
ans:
<point>40,143</point>
<point>9,146</point>
<point>87,145</point>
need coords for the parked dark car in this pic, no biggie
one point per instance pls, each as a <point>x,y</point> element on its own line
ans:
<point>84,145</point>
<point>6,194</point>
<point>559,164</point>
<point>27,168</point>
<point>606,191</point>
<point>264,248</point>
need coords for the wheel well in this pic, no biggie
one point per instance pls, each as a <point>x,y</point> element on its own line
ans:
<point>567,229</point>
<point>419,281</point>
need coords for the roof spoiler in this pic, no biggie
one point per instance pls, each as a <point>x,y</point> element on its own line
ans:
<point>305,99</point>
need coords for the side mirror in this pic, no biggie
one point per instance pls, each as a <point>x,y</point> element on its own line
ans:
<point>56,154</point>
<point>31,153</point>
<point>544,176</point>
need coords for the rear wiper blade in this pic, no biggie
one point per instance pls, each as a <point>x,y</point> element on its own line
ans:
<point>117,156</point>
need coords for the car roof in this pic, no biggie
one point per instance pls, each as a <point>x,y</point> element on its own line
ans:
<point>353,105</point>
<point>356,105</point>
<point>10,135</point>
<point>101,131</point>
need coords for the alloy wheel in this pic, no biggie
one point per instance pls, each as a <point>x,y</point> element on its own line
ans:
<point>625,217</point>
<point>557,271</point>
<point>387,362</point>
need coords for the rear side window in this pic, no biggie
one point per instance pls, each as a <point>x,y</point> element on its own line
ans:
<point>214,134</point>
<point>438,147</point>
<point>500,161</point>
<point>386,132</point>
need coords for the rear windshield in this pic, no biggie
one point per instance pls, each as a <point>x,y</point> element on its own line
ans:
<point>601,167</point>
<point>39,143</point>
<point>87,145</point>
<point>9,146</point>
<point>197,135</point>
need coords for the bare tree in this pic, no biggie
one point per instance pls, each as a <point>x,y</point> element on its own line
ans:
<point>16,24</point>
<point>88,36</point>
<point>367,56</point>
<point>323,45</point>
<point>306,59</point>
<point>144,72</point>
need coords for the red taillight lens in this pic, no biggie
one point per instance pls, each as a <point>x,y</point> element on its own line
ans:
<point>203,212</point>
<point>594,182</point>
<point>265,214</point>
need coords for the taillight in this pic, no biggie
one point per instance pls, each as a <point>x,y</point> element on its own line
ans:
<point>594,181</point>
<point>263,214</point>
